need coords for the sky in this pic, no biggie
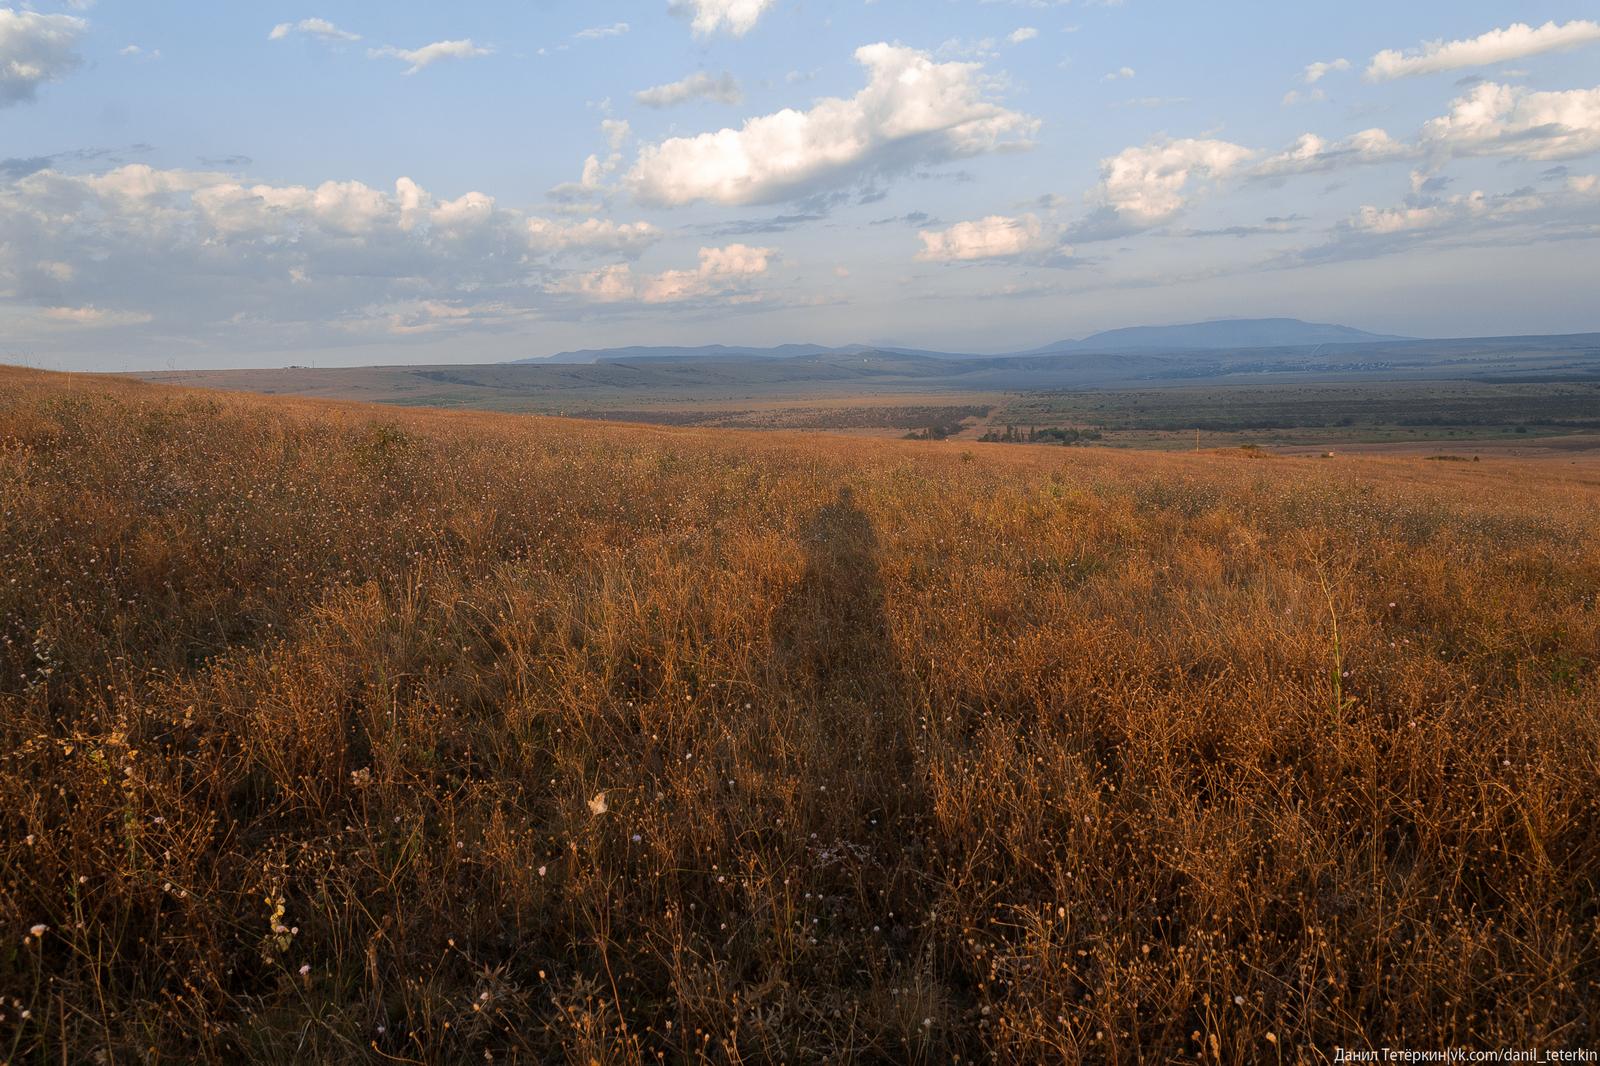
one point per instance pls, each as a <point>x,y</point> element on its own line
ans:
<point>204,185</point>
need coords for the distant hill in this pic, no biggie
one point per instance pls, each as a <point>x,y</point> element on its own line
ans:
<point>1198,336</point>
<point>718,353</point>
<point>1232,333</point>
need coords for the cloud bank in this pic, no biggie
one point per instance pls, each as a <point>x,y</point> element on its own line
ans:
<point>201,251</point>
<point>1497,46</point>
<point>35,49</point>
<point>1490,120</point>
<point>912,112</point>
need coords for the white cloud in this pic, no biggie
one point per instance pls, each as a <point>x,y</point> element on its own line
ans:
<point>1496,46</point>
<point>993,237</point>
<point>320,28</point>
<point>1026,33</point>
<point>92,316</point>
<point>724,273</point>
<point>1293,97</point>
<point>913,111</point>
<point>35,49</point>
<point>1315,71</point>
<point>724,90</point>
<point>597,32</point>
<point>740,16</point>
<point>1145,186</point>
<point>1476,219</point>
<point>197,250</point>
<point>1489,120</point>
<point>432,53</point>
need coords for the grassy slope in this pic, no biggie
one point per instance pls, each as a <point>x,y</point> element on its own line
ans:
<point>1036,757</point>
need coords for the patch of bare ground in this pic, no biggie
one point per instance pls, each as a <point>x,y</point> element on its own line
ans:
<point>340,733</point>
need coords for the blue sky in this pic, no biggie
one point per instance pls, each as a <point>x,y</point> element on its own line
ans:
<point>261,183</point>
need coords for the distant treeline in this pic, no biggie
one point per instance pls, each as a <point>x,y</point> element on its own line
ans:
<point>1035,435</point>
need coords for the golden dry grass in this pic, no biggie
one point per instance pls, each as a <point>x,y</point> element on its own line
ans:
<point>904,754</point>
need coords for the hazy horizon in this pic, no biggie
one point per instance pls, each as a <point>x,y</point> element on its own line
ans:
<point>352,185</point>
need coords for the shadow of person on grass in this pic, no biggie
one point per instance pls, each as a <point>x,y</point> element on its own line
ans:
<point>831,635</point>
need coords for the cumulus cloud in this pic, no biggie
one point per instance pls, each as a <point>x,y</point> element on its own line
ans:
<point>1315,71</point>
<point>1145,186</point>
<point>1489,120</point>
<point>724,274</point>
<point>432,53</point>
<point>203,250</point>
<point>35,49</point>
<point>1470,220</point>
<point>913,111</point>
<point>94,317</point>
<point>993,237</point>
<point>699,85</point>
<point>598,32</point>
<point>320,28</point>
<point>739,16</point>
<point>1496,46</point>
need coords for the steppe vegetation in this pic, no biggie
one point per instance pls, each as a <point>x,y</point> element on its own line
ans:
<point>332,733</point>
<point>1354,411</point>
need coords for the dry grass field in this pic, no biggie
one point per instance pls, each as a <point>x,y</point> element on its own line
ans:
<point>345,734</point>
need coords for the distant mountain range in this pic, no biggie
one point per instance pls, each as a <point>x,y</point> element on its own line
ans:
<point>1198,336</point>
<point>1233,333</point>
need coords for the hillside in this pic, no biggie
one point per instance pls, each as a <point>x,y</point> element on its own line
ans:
<point>351,734</point>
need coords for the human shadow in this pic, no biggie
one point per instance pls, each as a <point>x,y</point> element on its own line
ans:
<point>831,634</point>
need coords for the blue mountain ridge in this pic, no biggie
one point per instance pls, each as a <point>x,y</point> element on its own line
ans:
<point>1197,336</point>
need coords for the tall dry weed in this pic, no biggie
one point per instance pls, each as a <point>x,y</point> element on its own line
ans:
<point>341,734</point>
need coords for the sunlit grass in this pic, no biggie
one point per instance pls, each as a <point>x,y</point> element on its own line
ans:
<point>335,733</point>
